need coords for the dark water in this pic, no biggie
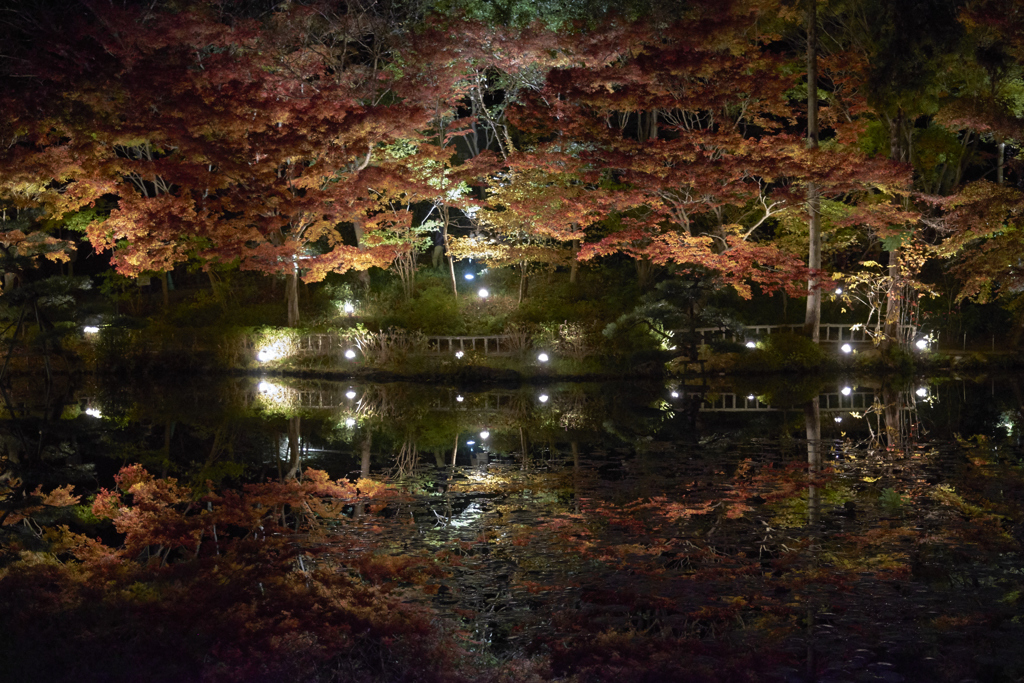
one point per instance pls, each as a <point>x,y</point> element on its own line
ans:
<point>851,531</point>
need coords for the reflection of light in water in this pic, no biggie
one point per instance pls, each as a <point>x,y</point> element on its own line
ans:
<point>543,398</point>
<point>471,443</point>
<point>845,391</point>
<point>484,434</point>
<point>350,354</point>
<point>470,276</point>
<point>459,398</point>
<point>93,412</point>
<point>471,514</point>
<point>350,394</point>
<point>922,392</point>
<point>350,422</point>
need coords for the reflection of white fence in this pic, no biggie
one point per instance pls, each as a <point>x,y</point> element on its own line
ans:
<point>835,403</point>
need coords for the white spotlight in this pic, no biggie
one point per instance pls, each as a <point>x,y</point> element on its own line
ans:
<point>543,358</point>
<point>484,434</point>
<point>921,344</point>
<point>90,329</point>
<point>470,276</point>
<point>543,398</point>
<point>751,345</point>
<point>350,354</point>
<point>845,391</point>
<point>483,293</point>
<point>846,348</point>
<point>350,394</point>
<point>922,392</point>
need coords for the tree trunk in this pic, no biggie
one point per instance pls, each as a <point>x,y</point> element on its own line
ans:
<point>574,267</point>
<point>364,275</point>
<point>1000,163</point>
<point>291,295</point>
<point>165,288</point>
<point>812,321</point>
<point>523,282</point>
<point>293,448</point>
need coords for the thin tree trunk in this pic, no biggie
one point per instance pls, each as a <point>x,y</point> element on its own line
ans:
<point>293,447</point>
<point>165,288</point>
<point>812,421</point>
<point>1001,162</point>
<point>291,295</point>
<point>523,282</point>
<point>574,267</point>
<point>812,321</point>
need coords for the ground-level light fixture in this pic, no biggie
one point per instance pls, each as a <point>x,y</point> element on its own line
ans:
<point>838,418</point>
<point>471,443</point>
<point>922,344</point>
<point>846,391</point>
<point>543,357</point>
<point>483,293</point>
<point>675,394</point>
<point>349,308</point>
<point>543,398</point>
<point>839,290</point>
<point>922,392</point>
<point>93,412</point>
<point>459,354</point>
<point>460,398</point>
<point>470,276</point>
<point>90,329</point>
<point>751,345</point>
<point>484,434</point>
<point>751,397</point>
<point>350,354</point>
<point>846,348</point>
<point>350,422</point>
<point>350,394</point>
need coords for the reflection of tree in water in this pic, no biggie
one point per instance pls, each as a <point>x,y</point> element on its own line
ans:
<point>892,423</point>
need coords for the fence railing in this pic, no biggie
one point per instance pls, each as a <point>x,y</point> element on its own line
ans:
<point>833,333</point>
<point>490,345</point>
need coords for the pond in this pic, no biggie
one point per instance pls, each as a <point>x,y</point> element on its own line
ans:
<point>283,529</point>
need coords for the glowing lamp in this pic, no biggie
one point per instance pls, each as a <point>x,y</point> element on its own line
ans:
<point>543,358</point>
<point>350,394</point>
<point>845,391</point>
<point>470,276</point>
<point>484,434</point>
<point>922,344</point>
<point>350,354</point>
<point>846,348</point>
<point>90,329</point>
<point>483,293</point>
<point>543,398</point>
<point>751,345</point>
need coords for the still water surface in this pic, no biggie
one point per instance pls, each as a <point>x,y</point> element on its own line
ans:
<point>851,531</point>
